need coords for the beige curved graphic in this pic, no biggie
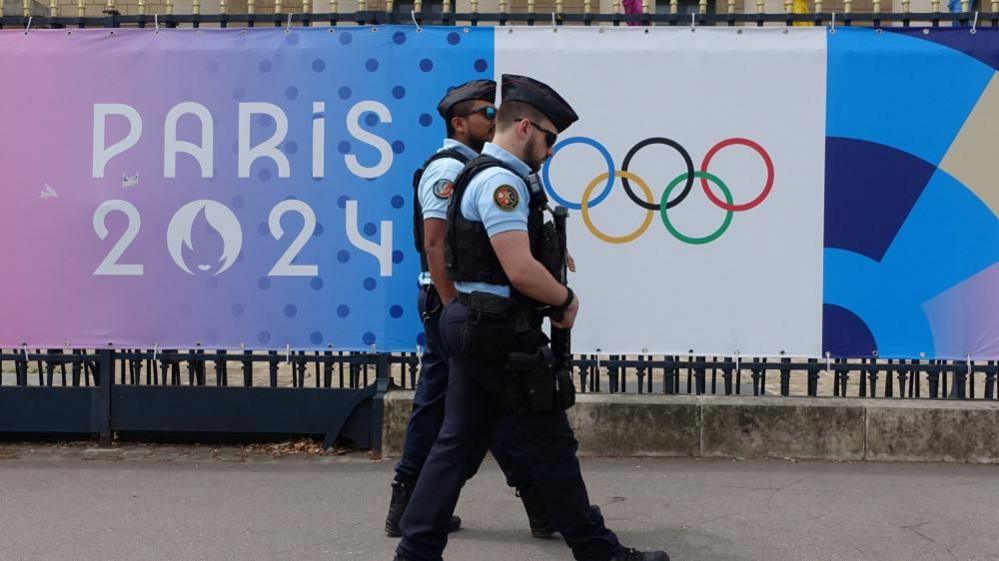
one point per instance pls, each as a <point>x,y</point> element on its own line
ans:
<point>973,158</point>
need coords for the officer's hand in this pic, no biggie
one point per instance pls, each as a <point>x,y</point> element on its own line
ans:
<point>568,316</point>
<point>570,262</point>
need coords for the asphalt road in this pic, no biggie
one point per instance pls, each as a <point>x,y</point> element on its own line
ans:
<point>180,503</point>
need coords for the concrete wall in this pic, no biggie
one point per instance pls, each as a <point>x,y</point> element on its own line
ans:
<point>766,427</point>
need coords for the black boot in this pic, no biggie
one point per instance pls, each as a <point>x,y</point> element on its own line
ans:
<point>537,513</point>
<point>402,489</point>
<point>635,555</point>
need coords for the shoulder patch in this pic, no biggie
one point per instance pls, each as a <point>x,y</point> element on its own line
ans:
<point>443,189</point>
<point>506,198</point>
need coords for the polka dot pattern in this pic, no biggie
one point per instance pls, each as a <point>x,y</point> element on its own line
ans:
<point>349,305</point>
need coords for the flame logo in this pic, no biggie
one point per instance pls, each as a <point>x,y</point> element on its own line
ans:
<point>219,217</point>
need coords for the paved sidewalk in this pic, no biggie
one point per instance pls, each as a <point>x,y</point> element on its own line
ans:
<point>183,503</point>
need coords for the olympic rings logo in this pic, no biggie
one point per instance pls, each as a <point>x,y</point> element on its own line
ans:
<point>647,201</point>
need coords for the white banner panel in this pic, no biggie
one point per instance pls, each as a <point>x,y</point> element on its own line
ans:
<point>739,273</point>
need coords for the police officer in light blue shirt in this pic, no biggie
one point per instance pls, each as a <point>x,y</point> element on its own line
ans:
<point>469,113</point>
<point>497,249</point>
<point>497,199</point>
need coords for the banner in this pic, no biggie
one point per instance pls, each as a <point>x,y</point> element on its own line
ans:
<point>222,187</point>
<point>711,108</point>
<point>749,191</point>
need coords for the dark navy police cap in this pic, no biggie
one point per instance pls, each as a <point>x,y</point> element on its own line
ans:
<point>541,96</point>
<point>484,90</point>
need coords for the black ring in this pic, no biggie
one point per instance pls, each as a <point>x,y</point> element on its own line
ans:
<point>686,159</point>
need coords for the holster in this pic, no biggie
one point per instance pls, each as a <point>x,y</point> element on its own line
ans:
<point>536,383</point>
<point>500,330</point>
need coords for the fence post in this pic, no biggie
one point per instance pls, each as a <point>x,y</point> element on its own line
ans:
<point>785,375</point>
<point>813,377</point>
<point>101,410</point>
<point>383,380</point>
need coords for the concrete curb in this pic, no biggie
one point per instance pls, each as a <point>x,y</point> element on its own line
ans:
<point>766,427</point>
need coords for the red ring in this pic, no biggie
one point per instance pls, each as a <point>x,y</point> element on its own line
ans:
<point>766,160</point>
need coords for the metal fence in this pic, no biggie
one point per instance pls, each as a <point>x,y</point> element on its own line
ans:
<point>640,374</point>
<point>102,392</point>
<point>113,18</point>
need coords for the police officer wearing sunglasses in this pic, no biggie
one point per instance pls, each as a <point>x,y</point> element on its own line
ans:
<point>501,370</point>
<point>469,113</point>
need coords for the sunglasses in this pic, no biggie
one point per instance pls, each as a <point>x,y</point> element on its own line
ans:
<point>487,111</point>
<point>550,137</point>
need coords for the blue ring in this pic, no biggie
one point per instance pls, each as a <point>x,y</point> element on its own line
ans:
<point>603,152</point>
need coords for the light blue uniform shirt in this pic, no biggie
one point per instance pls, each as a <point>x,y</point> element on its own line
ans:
<point>435,186</point>
<point>485,201</point>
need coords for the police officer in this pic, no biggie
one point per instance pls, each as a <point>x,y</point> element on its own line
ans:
<point>469,113</point>
<point>501,366</point>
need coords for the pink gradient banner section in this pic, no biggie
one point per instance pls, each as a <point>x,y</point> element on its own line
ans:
<point>283,220</point>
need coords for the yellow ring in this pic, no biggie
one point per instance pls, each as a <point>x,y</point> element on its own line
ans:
<point>585,208</point>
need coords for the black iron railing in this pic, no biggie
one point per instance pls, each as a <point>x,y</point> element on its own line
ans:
<point>649,374</point>
<point>113,19</point>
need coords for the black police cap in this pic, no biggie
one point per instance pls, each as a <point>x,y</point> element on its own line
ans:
<point>484,90</point>
<point>541,96</point>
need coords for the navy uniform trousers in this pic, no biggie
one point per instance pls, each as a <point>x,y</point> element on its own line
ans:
<point>428,407</point>
<point>472,412</point>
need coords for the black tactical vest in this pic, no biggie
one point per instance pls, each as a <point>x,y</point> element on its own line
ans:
<point>418,208</point>
<point>468,255</point>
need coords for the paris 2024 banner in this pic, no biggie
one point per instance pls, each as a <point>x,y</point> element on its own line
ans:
<point>732,191</point>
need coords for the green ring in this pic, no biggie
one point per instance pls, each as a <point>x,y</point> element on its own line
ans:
<point>676,233</point>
